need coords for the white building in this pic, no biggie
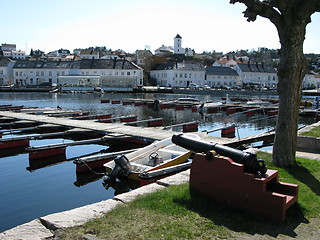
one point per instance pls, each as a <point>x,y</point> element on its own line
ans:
<point>8,47</point>
<point>89,54</point>
<point>310,81</point>
<point>18,54</point>
<point>225,62</point>
<point>164,50</point>
<point>93,72</point>
<point>6,75</point>
<point>143,57</point>
<point>217,76</point>
<point>178,45</point>
<point>178,74</point>
<point>257,74</point>
<point>9,51</point>
<point>59,53</point>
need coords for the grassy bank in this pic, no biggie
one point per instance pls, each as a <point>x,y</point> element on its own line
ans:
<point>315,132</point>
<point>175,213</point>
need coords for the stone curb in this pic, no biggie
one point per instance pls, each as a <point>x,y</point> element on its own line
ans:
<point>78,216</point>
<point>44,227</point>
<point>130,196</point>
<point>33,230</point>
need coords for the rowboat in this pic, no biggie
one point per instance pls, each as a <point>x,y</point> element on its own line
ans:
<point>158,155</point>
<point>87,164</point>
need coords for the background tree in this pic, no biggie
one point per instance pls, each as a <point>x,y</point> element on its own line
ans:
<point>290,17</point>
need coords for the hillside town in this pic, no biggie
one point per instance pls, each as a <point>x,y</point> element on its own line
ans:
<point>169,66</point>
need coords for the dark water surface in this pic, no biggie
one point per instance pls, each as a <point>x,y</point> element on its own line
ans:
<point>27,195</point>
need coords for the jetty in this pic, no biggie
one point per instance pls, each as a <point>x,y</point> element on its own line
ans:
<point>112,130</point>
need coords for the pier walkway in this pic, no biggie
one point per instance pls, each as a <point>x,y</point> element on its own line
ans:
<point>109,129</point>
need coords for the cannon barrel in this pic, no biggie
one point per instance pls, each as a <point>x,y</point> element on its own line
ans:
<point>249,160</point>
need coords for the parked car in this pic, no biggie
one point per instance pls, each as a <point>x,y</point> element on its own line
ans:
<point>206,87</point>
<point>194,86</point>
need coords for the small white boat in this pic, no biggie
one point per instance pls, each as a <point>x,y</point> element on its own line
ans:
<point>258,102</point>
<point>188,101</point>
<point>158,155</point>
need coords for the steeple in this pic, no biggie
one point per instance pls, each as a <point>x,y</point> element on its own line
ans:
<point>178,45</point>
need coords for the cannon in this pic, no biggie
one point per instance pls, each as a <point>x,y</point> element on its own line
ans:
<point>249,160</point>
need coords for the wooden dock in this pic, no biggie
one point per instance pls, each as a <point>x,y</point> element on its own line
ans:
<point>121,130</point>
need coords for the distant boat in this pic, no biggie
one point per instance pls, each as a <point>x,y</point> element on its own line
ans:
<point>188,101</point>
<point>258,102</point>
<point>158,155</point>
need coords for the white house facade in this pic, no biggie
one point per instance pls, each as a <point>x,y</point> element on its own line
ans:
<point>6,76</point>
<point>178,74</point>
<point>217,76</point>
<point>310,81</point>
<point>94,72</point>
<point>257,74</point>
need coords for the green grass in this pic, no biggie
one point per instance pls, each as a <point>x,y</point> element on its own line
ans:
<point>315,132</point>
<point>175,213</point>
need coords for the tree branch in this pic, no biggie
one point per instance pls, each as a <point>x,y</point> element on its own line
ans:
<point>264,9</point>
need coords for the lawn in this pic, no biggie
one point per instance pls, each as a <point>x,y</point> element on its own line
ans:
<point>175,213</point>
<point>315,132</point>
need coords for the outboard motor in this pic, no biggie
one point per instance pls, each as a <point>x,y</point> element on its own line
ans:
<point>249,160</point>
<point>122,167</point>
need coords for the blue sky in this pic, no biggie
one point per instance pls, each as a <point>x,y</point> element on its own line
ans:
<point>204,25</point>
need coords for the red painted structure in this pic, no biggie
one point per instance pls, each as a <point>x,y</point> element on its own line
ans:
<point>226,182</point>
<point>14,144</point>
<point>192,127</point>
<point>43,153</point>
<point>155,123</point>
<point>229,132</point>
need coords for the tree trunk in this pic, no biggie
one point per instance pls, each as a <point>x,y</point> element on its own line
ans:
<point>291,71</point>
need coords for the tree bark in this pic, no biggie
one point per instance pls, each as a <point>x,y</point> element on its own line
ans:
<point>290,18</point>
<point>291,71</point>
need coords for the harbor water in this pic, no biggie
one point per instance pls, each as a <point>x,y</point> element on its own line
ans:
<point>30,190</point>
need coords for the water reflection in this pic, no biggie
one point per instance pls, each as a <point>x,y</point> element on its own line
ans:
<point>51,188</point>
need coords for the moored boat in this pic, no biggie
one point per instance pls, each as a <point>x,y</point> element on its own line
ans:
<point>86,164</point>
<point>158,155</point>
<point>188,101</point>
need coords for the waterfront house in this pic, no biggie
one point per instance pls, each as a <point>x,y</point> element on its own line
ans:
<point>217,76</point>
<point>257,74</point>
<point>6,65</point>
<point>86,72</point>
<point>175,74</point>
<point>310,81</point>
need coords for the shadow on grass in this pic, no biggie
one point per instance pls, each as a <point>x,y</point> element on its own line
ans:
<point>303,175</point>
<point>240,221</point>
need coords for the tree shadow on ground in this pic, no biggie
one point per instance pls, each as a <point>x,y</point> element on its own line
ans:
<point>303,175</point>
<point>240,221</point>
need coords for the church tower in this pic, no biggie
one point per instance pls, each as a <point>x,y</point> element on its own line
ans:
<point>177,45</point>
